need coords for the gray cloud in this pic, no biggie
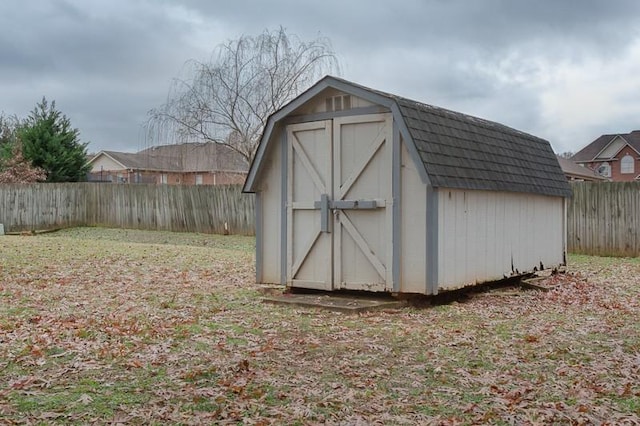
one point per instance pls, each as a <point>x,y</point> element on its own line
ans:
<point>106,63</point>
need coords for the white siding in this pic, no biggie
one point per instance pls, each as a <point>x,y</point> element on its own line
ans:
<point>105,163</point>
<point>413,227</point>
<point>483,235</point>
<point>270,185</point>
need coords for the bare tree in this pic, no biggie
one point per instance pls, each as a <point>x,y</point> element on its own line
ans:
<point>8,134</point>
<point>229,99</point>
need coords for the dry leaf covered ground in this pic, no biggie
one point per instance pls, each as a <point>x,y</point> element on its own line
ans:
<point>114,326</point>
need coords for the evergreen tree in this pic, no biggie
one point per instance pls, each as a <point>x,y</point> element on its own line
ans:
<point>50,143</point>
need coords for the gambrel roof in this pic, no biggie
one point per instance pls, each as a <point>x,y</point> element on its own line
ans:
<point>451,149</point>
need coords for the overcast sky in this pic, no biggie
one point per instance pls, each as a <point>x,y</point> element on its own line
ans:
<point>567,71</point>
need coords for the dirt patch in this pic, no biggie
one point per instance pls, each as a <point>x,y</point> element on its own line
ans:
<point>336,302</point>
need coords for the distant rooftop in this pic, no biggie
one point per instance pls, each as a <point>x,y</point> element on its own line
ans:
<point>185,157</point>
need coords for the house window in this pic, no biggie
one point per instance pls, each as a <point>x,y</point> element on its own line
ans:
<point>198,179</point>
<point>163,178</point>
<point>626,164</point>
<point>604,170</point>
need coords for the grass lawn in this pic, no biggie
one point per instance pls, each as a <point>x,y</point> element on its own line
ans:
<point>108,326</point>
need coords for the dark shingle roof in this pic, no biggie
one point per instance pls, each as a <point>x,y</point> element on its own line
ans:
<point>589,152</point>
<point>464,152</point>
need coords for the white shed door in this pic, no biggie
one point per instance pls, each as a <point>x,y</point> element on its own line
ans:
<point>339,204</point>
<point>309,170</point>
<point>362,237</point>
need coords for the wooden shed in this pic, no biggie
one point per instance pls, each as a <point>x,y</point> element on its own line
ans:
<point>363,190</point>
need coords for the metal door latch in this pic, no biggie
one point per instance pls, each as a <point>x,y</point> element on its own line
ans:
<point>323,205</point>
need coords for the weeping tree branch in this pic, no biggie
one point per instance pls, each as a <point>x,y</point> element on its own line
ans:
<point>228,99</point>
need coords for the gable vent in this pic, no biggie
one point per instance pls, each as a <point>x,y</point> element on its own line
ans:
<point>338,103</point>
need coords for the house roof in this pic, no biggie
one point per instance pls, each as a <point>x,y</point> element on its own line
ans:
<point>452,150</point>
<point>186,157</point>
<point>570,168</point>
<point>591,151</point>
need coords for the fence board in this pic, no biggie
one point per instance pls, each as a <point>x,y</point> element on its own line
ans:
<point>603,218</point>
<point>201,208</point>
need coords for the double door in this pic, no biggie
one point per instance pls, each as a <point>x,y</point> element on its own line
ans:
<point>339,203</point>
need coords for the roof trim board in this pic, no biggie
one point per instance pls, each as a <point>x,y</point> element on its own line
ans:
<point>410,144</point>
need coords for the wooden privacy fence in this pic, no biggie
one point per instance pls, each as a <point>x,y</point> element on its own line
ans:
<point>603,218</point>
<point>200,208</point>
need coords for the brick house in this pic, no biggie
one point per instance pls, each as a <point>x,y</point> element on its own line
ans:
<point>616,157</point>
<point>179,164</point>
